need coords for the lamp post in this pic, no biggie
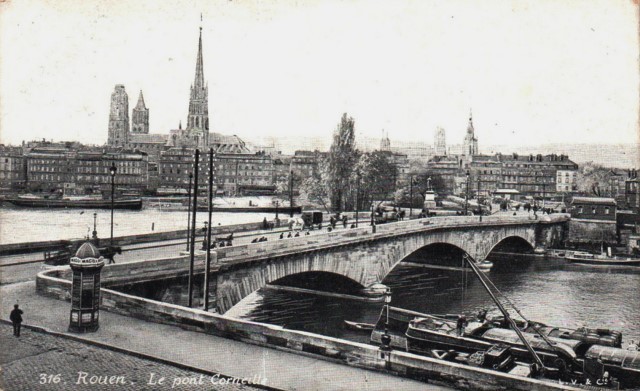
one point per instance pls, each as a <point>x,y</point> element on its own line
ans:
<point>189,211</point>
<point>94,235</point>
<point>478,198</point>
<point>112,171</point>
<point>373,223</point>
<point>466,198</point>
<point>290,193</point>
<point>410,195</point>
<point>277,204</point>
<point>386,338</point>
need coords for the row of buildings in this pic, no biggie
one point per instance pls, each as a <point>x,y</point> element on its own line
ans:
<point>48,167</point>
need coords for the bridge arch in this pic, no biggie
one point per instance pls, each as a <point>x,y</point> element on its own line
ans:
<point>477,244</point>
<point>512,243</point>
<point>369,258</point>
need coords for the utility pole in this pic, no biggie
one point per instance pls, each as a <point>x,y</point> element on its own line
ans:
<point>189,210</point>
<point>192,248</point>
<point>207,268</point>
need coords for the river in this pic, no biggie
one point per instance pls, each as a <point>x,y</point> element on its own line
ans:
<point>550,292</point>
<point>34,224</point>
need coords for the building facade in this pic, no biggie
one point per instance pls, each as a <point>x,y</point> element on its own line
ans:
<point>593,208</point>
<point>56,168</point>
<point>234,174</point>
<point>12,168</point>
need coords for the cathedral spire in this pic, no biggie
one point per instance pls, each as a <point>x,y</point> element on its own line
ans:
<point>198,119</point>
<point>199,79</point>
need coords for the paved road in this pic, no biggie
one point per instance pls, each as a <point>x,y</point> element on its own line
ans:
<point>41,361</point>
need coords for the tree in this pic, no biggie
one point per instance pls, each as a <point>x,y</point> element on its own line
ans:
<point>313,189</point>
<point>377,177</point>
<point>341,160</point>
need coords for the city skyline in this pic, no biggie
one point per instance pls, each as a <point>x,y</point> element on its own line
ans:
<point>289,90</point>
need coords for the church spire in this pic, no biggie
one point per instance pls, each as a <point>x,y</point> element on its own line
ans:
<point>140,105</point>
<point>198,119</point>
<point>140,117</point>
<point>199,79</point>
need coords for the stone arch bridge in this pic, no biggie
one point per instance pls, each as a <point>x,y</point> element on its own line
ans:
<point>366,257</point>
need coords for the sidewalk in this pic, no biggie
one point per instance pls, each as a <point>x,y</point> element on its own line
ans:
<point>39,360</point>
<point>202,351</point>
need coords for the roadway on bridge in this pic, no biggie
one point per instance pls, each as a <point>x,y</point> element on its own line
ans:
<point>24,267</point>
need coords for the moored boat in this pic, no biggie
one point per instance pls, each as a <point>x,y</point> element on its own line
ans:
<point>359,326</point>
<point>585,258</point>
<point>76,202</point>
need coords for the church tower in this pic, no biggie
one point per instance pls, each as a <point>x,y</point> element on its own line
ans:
<point>198,120</point>
<point>470,141</point>
<point>385,143</point>
<point>119,118</point>
<point>140,117</point>
<point>440,142</point>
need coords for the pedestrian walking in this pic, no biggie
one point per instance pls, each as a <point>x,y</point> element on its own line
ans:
<point>16,319</point>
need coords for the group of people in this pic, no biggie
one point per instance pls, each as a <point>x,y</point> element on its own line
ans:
<point>333,221</point>
<point>219,242</point>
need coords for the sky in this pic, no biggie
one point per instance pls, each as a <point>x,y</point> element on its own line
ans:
<point>533,72</point>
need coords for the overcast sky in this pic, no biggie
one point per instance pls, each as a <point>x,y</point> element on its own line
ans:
<point>532,71</point>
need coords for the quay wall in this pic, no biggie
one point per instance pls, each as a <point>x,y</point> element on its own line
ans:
<point>49,283</point>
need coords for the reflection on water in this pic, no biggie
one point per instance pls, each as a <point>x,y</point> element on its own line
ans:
<point>569,297</point>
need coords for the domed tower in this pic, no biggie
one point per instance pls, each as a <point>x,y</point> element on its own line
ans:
<point>470,141</point>
<point>85,291</point>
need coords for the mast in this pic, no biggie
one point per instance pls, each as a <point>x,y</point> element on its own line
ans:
<point>505,313</point>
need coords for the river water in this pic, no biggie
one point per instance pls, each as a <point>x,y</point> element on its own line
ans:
<point>35,224</point>
<point>546,291</point>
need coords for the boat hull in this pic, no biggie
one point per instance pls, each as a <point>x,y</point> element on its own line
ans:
<point>132,204</point>
<point>604,261</point>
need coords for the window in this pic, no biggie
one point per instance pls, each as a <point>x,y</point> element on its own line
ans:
<point>580,209</point>
<point>593,209</point>
<point>606,210</point>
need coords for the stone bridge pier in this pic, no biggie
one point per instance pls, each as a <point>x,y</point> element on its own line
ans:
<point>369,258</point>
